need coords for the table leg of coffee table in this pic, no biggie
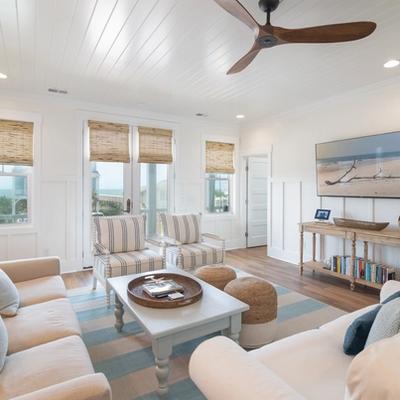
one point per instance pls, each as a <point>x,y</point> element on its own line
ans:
<point>119,313</point>
<point>235,327</point>
<point>162,349</point>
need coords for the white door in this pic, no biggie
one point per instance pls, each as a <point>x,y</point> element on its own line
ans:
<point>257,200</point>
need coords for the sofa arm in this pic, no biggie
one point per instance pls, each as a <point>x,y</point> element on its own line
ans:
<point>223,370</point>
<point>389,288</point>
<point>88,387</point>
<point>31,268</point>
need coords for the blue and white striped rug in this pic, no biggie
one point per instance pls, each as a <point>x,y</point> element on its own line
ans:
<point>127,360</point>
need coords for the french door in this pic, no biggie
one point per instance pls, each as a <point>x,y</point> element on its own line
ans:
<point>116,188</point>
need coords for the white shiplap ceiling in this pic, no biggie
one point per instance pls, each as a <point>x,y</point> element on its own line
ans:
<point>172,55</point>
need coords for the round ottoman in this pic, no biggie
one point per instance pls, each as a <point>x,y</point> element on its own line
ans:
<point>218,275</point>
<point>258,323</point>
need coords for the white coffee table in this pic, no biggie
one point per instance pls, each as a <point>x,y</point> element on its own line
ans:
<point>215,311</point>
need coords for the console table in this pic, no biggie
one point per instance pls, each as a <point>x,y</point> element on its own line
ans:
<point>386,237</point>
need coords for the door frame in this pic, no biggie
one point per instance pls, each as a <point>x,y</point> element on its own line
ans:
<point>133,122</point>
<point>244,193</point>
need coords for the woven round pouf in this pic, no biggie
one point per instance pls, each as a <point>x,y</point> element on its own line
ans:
<point>216,275</point>
<point>258,323</point>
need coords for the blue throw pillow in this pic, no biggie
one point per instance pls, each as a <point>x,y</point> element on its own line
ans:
<point>358,331</point>
<point>392,297</point>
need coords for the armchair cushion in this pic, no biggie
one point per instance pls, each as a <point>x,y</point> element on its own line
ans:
<point>120,234</point>
<point>9,297</point>
<point>195,255</point>
<point>44,365</point>
<point>40,290</point>
<point>184,228</point>
<point>132,262</point>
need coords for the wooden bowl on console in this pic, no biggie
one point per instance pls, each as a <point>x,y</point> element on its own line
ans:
<point>356,224</point>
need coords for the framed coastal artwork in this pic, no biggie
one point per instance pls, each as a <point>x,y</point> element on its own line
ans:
<point>362,167</point>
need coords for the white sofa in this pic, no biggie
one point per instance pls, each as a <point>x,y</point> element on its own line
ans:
<point>310,365</point>
<point>47,359</point>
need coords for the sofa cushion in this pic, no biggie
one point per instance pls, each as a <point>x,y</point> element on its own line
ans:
<point>311,362</point>
<point>41,323</point>
<point>3,343</point>
<point>358,331</point>
<point>387,322</point>
<point>40,290</point>
<point>374,373</point>
<point>122,233</point>
<point>44,365</point>
<point>9,297</point>
<point>183,228</point>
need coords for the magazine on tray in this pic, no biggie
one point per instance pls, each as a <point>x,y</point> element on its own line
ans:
<point>162,288</point>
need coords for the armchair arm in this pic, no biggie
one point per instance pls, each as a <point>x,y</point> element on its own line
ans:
<point>88,387</point>
<point>223,370</point>
<point>213,236</point>
<point>32,268</point>
<point>101,250</point>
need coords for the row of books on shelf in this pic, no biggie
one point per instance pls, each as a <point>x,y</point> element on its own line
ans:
<point>362,269</point>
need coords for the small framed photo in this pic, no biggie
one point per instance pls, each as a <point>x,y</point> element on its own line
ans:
<point>322,215</point>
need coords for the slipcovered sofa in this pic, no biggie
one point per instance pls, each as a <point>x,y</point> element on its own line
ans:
<point>46,359</point>
<point>310,365</point>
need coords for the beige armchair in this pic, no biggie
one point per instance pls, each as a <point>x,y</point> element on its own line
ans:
<point>187,247</point>
<point>120,248</point>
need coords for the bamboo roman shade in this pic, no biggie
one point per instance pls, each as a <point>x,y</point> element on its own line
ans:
<point>155,145</point>
<point>109,142</point>
<point>220,158</point>
<point>16,142</point>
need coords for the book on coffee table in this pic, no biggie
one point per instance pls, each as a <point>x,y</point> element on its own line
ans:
<point>162,288</point>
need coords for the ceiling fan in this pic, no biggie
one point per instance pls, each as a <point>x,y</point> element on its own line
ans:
<point>267,35</point>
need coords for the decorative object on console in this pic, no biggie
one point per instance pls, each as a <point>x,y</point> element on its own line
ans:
<point>322,215</point>
<point>361,167</point>
<point>218,275</point>
<point>192,291</point>
<point>259,323</point>
<point>357,224</point>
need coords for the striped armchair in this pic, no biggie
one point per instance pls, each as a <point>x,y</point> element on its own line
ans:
<point>120,249</point>
<point>191,248</point>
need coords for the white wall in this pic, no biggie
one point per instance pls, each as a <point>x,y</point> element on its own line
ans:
<point>293,135</point>
<point>57,226</point>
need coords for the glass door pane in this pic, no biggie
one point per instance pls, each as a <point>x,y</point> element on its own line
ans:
<point>153,194</point>
<point>109,193</point>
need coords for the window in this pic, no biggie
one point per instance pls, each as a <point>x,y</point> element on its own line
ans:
<point>153,194</point>
<point>218,193</point>
<point>14,198</point>
<point>107,188</point>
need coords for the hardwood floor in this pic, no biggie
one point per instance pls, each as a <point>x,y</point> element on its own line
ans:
<point>254,261</point>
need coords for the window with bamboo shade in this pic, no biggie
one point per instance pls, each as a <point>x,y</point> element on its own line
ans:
<point>109,142</point>
<point>16,142</point>
<point>220,158</point>
<point>155,145</point>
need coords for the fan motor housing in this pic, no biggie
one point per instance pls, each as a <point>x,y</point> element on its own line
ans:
<point>267,41</point>
<point>268,5</point>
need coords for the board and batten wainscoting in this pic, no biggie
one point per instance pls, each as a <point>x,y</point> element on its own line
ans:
<point>293,201</point>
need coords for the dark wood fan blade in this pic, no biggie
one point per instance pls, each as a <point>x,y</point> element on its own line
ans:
<point>235,8</point>
<point>327,33</point>
<point>245,60</point>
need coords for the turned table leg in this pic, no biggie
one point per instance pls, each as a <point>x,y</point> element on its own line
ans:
<point>119,313</point>
<point>301,250</point>
<point>162,350</point>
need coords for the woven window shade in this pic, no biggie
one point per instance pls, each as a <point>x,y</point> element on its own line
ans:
<point>219,158</point>
<point>16,142</point>
<point>109,142</point>
<point>155,146</point>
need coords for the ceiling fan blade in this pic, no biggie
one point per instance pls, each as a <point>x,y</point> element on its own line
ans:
<point>245,60</point>
<point>327,33</point>
<point>235,8</point>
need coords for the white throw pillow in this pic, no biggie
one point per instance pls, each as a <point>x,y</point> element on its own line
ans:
<point>9,296</point>
<point>374,373</point>
<point>3,343</point>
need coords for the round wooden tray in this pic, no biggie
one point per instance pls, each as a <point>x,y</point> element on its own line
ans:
<point>192,292</point>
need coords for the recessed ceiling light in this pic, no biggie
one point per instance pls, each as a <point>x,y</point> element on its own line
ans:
<point>3,76</point>
<point>392,64</point>
<point>240,116</point>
